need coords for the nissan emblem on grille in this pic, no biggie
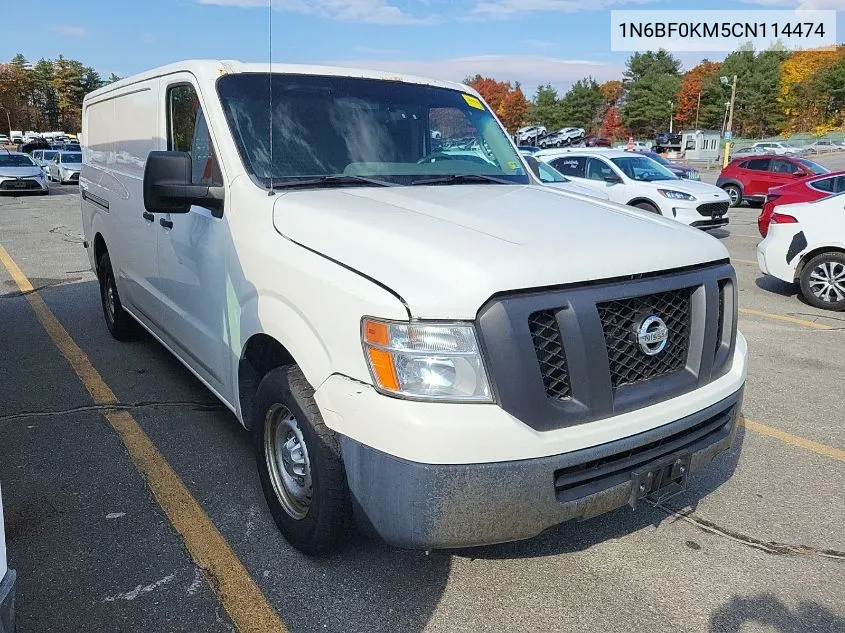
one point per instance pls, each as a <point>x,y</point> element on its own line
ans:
<point>652,335</point>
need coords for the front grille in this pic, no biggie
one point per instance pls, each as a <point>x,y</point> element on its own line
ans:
<point>19,185</point>
<point>710,209</point>
<point>620,319</point>
<point>550,354</point>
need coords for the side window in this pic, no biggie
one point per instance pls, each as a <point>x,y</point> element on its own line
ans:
<point>840,185</point>
<point>758,164</point>
<point>825,184</point>
<point>783,166</point>
<point>570,166</point>
<point>187,131</point>
<point>597,169</point>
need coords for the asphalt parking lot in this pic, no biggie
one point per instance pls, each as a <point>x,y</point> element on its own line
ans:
<point>756,543</point>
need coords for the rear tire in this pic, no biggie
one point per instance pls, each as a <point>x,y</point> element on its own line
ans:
<point>300,464</point>
<point>120,325</point>
<point>823,281</point>
<point>648,206</point>
<point>734,193</point>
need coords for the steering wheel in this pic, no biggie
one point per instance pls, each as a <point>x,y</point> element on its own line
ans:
<point>434,157</point>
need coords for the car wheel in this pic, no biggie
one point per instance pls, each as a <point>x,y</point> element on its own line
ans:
<point>734,193</point>
<point>120,325</point>
<point>300,464</point>
<point>648,206</point>
<point>823,281</point>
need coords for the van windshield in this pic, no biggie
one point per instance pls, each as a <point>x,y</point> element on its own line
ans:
<point>340,129</point>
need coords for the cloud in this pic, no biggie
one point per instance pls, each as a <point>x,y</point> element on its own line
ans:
<point>372,11</point>
<point>805,5</point>
<point>507,9</point>
<point>530,70</point>
<point>69,30</point>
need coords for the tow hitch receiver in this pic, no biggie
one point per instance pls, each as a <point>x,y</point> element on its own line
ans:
<point>660,480</point>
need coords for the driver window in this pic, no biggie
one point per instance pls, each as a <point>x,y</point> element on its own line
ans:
<point>781,166</point>
<point>597,169</point>
<point>187,131</point>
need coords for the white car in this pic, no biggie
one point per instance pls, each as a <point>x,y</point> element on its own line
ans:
<point>44,157</point>
<point>806,244</point>
<point>431,345</point>
<point>781,148</point>
<point>19,173</point>
<point>551,177</point>
<point>531,132</point>
<point>7,584</point>
<point>825,146</point>
<point>65,167</point>
<point>638,181</point>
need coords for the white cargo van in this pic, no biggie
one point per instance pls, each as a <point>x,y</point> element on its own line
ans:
<point>420,336</point>
<point>7,584</point>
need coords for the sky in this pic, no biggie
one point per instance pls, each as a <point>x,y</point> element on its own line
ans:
<point>530,41</point>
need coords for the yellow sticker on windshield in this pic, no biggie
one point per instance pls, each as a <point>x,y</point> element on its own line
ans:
<point>512,165</point>
<point>473,102</point>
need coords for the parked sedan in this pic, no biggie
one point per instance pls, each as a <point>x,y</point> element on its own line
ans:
<point>825,146</point>
<point>807,190</point>
<point>44,157</point>
<point>804,245</point>
<point>781,148</point>
<point>65,167</point>
<point>681,171</point>
<point>20,174</point>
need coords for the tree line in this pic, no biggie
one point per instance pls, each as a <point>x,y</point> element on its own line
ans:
<point>778,92</point>
<point>46,95</point>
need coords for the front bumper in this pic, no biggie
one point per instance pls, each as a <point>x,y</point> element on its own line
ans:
<point>7,602</point>
<point>436,506</point>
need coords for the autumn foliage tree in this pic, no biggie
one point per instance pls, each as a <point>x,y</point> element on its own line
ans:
<point>804,104</point>
<point>612,126</point>
<point>612,92</point>
<point>694,84</point>
<point>506,100</point>
<point>494,92</point>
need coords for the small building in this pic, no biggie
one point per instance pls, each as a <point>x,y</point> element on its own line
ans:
<point>700,144</point>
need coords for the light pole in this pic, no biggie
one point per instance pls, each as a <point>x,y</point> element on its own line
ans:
<point>671,115</point>
<point>730,120</point>
<point>697,109</point>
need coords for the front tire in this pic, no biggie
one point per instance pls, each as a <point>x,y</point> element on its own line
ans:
<point>648,206</point>
<point>299,464</point>
<point>823,281</point>
<point>734,193</point>
<point>120,325</point>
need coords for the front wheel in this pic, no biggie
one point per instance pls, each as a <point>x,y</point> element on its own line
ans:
<point>300,464</point>
<point>823,281</point>
<point>734,194</point>
<point>648,206</point>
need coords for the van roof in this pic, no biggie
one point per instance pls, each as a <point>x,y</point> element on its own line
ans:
<point>211,69</point>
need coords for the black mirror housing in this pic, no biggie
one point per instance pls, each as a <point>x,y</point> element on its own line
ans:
<point>612,179</point>
<point>168,187</point>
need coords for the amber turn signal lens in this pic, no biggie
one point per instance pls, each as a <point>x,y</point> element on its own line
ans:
<point>375,333</point>
<point>382,364</point>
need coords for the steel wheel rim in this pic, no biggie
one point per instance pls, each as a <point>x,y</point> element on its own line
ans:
<point>287,461</point>
<point>827,281</point>
<point>733,194</point>
<point>111,300</point>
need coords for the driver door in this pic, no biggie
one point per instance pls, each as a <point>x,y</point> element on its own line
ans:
<point>193,248</point>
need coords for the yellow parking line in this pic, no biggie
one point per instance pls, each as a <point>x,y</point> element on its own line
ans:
<point>239,594</point>
<point>794,440</point>
<point>787,319</point>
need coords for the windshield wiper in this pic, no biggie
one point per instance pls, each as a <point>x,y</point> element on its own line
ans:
<point>461,179</point>
<point>331,181</point>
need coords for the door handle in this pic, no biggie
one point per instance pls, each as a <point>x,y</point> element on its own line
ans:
<point>165,223</point>
<point>149,217</point>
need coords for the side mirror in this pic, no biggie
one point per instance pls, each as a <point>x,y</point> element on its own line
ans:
<point>799,173</point>
<point>168,186</point>
<point>612,179</point>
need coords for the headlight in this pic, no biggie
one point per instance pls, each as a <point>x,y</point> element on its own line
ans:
<point>675,195</point>
<point>425,361</point>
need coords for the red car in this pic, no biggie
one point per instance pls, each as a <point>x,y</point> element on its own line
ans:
<point>750,177</point>
<point>806,190</point>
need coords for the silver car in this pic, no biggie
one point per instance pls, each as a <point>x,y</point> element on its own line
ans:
<point>65,167</point>
<point>20,174</point>
<point>44,157</point>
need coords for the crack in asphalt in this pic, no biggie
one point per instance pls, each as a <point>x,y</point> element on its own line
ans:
<point>119,406</point>
<point>769,547</point>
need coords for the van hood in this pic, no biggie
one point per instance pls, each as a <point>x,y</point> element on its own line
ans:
<point>447,249</point>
